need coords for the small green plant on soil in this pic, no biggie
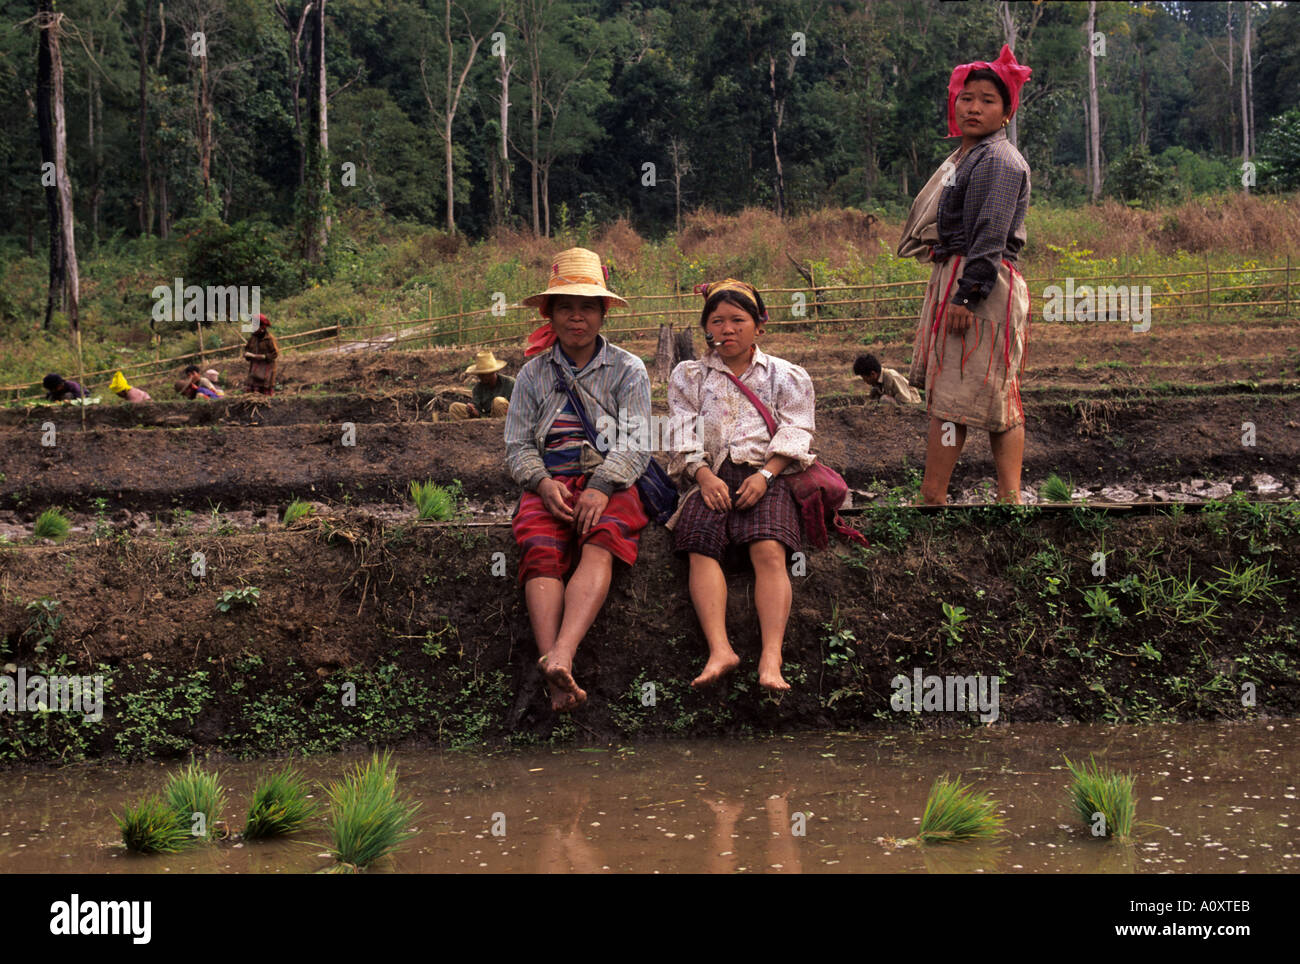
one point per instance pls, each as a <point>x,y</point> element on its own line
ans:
<point>280,805</point>
<point>839,641</point>
<point>231,598</point>
<point>51,524</point>
<point>43,622</point>
<point>196,795</point>
<point>955,811</point>
<point>297,509</point>
<point>434,501</point>
<point>1103,799</point>
<point>953,616</point>
<point>1101,607</point>
<point>1251,584</point>
<point>153,827</point>
<point>1056,489</point>
<point>102,527</point>
<point>367,818</point>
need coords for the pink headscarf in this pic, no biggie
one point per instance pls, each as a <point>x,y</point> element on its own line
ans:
<point>1009,72</point>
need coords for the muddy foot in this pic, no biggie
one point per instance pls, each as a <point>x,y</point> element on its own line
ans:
<point>561,679</point>
<point>561,702</point>
<point>716,668</point>
<point>769,676</point>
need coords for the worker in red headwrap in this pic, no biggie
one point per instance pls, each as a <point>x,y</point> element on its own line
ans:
<point>969,222</point>
<point>261,353</point>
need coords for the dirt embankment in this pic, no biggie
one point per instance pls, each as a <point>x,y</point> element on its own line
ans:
<point>428,626</point>
<point>1095,442</point>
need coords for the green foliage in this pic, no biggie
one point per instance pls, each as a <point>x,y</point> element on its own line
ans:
<point>193,791</point>
<point>367,819</point>
<point>1136,177</point>
<point>1094,791</point>
<point>1056,489</point>
<point>153,827</point>
<point>1279,153</point>
<point>954,811</point>
<point>1101,607</point>
<point>247,596</point>
<point>51,524</point>
<point>280,805</point>
<point>43,622</point>
<point>953,616</point>
<point>296,510</point>
<point>245,253</point>
<point>433,501</point>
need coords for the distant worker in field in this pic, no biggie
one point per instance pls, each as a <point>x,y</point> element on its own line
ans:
<point>60,389</point>
<point>578,505</point>
<point>119,387</point>
<point>204,380</point>
<point>191,385</point>
<point>491,394</point>
<point>969,221</point>
<point>885,382</point>
<point>213,376</point>
<point>261,353</point>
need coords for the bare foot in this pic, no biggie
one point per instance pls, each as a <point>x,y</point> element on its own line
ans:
<point>559,678</point>
<point>769,675</point>
<point>716,668</point>
<point>561,702</point>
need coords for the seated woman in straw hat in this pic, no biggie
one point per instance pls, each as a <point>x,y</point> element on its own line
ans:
<point>740,500</point>
<point>491,394</point>
<point>576,508</point>
<point>969,222</point>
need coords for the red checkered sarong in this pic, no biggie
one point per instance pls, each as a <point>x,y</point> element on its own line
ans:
<point>548,544</point>
<point>775,516</point>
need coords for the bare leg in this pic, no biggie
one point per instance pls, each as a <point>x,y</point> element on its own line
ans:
<point>772,596</point>
<point>583,597</point>
<point>709,594</point>
<point>939,462</point>
<point>545,598</point>
<point>1008,455</point>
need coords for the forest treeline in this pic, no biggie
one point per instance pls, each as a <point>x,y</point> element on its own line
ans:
<point>539,114</point>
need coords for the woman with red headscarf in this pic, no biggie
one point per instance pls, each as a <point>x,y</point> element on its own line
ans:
<point>969,221</point>
<point>261,353</point>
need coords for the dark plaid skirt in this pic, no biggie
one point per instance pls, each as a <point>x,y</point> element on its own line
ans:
<point>710,533</point>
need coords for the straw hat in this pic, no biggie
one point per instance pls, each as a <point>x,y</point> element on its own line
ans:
<point>576,271</point>
<point>485,363</point>
<point>118,384</point>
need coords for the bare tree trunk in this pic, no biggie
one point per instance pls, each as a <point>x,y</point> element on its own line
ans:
<point>164,217</point>
<point>1087,145</point>
<point>1247,93</point>
<point>1009,38</point>
<point>315,224</point>
<point>1232,75</point>
<point>295,48</point>
<point>142,122</point>
<point>1094,117</point>
<point>506,69</point>
<point>323,108</point>
<point>779,185</point>
<point>45,125</point>
<point>50,25</point>
<point>681,167</point>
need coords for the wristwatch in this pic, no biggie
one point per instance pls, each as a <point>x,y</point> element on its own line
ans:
<point>767,476</point>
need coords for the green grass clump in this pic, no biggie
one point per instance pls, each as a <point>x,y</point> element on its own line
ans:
<point>433,501</point>
<point>52,524</point>
<point>367,819</point>
<point>954,811</point>
<point>1056,489</point>
<point>297,509</point>
<point>1096,791</point>
<point>193,791</point>
<point>280,805</point>
<point>153,827</point>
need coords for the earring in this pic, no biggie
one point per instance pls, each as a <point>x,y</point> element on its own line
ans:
<point>1007,122</point>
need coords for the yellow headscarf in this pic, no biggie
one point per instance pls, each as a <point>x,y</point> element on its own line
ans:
<point>118,384</point>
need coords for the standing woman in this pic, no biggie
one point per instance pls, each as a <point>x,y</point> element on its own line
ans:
<point>739,499</point>
<point>261,353</point>
<point>969,220</point>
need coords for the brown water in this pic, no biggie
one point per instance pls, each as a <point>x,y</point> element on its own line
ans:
<point>1210,798</point>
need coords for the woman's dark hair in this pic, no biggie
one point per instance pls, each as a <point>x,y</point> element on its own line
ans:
<point>754,307</point>
<point>985,74</point>
<point>191,369</point>
<point>52,381</point>
<point>865,365</point>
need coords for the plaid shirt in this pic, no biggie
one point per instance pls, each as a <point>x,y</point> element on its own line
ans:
<point>982,215</point>
<point>613,383</point>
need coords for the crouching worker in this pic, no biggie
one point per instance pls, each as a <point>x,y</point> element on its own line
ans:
<point>579,511</point>
<point>60,389</point>
<point>491,394</point>
<point>885,382</point>
<point>119,387</point>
